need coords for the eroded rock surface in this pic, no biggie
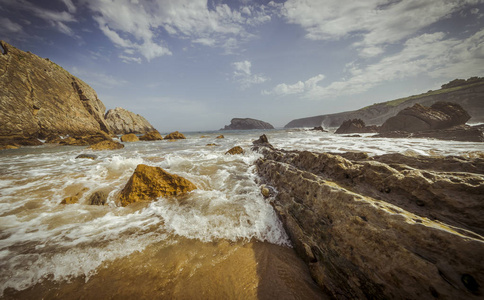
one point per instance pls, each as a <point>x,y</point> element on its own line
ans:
<point>106,145</point>
<point>148,183</point>
<point>122,121</point>
<point>385,227</point>
<point>355,126</point>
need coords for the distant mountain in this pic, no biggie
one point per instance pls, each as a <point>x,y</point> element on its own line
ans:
<point>468,93</point>
<point>247,124</point>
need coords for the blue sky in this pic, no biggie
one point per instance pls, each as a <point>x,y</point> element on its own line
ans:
<point>193,65</point>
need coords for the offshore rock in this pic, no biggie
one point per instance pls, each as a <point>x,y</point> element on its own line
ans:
<point>151,136</point>
<point>235,150</point>
<point>106,145</point>
<point>387,227</point>
<point>319,128</point>
<point>122,121</point>
<point>247,124</point>
<point>87,156</point>
<point>355,126</point>
<point>441,115</point>
<point>130,137</point>
<point>98,198</point>
<point>38,98</point>
<point>175,136</point>
<point>148,183</point>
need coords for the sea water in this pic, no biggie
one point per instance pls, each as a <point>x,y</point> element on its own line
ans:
<point>45,242</point>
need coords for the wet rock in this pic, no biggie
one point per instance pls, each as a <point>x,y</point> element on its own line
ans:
<point>151,136</point>
<point>319,128</point>
<point>211,145</point>
<point>130,137</point>
<point>70,200</point>
<point>247,124</point>
<point>235,150</point>
<point>6,147</point>
<point>220,136</point>
<point>98,198</point>
<point>85,140</point>
<point>359,224</point>
<point>462,133</point>
<point>88,156</point>
<point>53,139</point>
<point>175,136</point>
<point>106,145</point>
<point>148,183</point>
<point>355,126</point>
<point>262,141</point>
<point>122,121</point>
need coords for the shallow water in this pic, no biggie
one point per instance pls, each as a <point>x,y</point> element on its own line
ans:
<point>222,240</point>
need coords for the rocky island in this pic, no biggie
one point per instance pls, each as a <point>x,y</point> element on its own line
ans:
<point>247,124</point>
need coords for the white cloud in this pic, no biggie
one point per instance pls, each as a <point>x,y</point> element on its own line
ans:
<point>243,74</point>
<point>70,6</point>
<point>376,22</point>
<point>98,79</point>
<point>9,27</point>
<point>129,59</point>
<point>430,54</point>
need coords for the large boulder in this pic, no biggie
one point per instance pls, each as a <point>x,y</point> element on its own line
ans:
<point>235,150</point>
<point>153,135</point>
<point>148,183</point>
<point>38,98</point>
<point>130,137</point>
<point>387,227</point>
<point>106,145</point>
<point>355,126</point>
<point>441,115</point>
<point>175,136</point>
<point>122,121</point>
<point>247,124</point>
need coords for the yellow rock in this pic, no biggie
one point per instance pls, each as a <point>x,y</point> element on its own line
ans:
<point>130,137</point>
<point>235,150</point>
<point>175,136</point>
<point>106,145</point>
<point>149,183</point>
<point>220,136</point>
<point>151,136</point>
<point>70,200</point>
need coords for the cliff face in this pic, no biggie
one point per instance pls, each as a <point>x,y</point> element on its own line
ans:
<point>38,98</point>
<point>387,227</point>
<point>469,97</point>
<point>122,121</point>
<point>247,124</point>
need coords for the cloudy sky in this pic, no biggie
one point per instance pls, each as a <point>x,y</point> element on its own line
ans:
<point>193,65</point>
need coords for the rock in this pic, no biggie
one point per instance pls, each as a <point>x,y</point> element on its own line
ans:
<point>211,145</point>
<point>38,98</point>
<point>463,133</point>
<point>319,128</point>
<point>235,150</point>
<point>220,136</point>
<point>387,227</point>
<point>70,200</point>
<point>247,124</point>
<point>263,142</point>
<point>265,191</point>
<point>122,121</point>
<point>204,136</point>
<point>130,137</point>
<point>98,198</point>
<point>86,139</point>
<point>10,142</point>
<point>88,156</point>
<point>441,115</point>
<point>70,141</point>
<point>151,136</point>
<point>175,136</point>
<point>106,145</point>
<point>6,147</point>
<point>53,139</point>
<point>355,126</point>
<point>148,183</point>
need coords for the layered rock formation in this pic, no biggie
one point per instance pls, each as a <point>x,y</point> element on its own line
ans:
<point>468,94</point>
<point>38,98</point>
<point>385,227</point>
<point>148,183</point>
<point>122,121</point>
<point>247,124</point>
<point>355,126</point>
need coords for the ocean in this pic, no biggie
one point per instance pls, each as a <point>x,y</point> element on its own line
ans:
<point>221,241</point>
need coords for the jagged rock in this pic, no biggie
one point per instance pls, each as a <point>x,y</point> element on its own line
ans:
<point>355,126</point>
<point>235,150</point>
<point>441,115</point>
<point>130,137</point>
<point>175,136</point>
<point>38,98</point>
<point>247,124</point>
<point>106,145</point>
<point>122,121</point>
<point>263,141</point>
<point>463,133</point>
<point>70,200</point>
<point>220,137</point>
<point>151,136</point>
<point>88,156</point>
<point>98,198</point>
<point>319,128</point>
<point>86,139</point>
<point>388,227</point>
<point>53,139</point>
<point>149,183</point>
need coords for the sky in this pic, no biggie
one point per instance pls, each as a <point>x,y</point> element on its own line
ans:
<point>193,65</point>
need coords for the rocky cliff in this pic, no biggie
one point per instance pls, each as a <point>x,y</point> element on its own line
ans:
<point>122,121</point>
<point>469,96</point>
<point>247,124</point>
<point>385,227</point>
<point>38,98</point>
